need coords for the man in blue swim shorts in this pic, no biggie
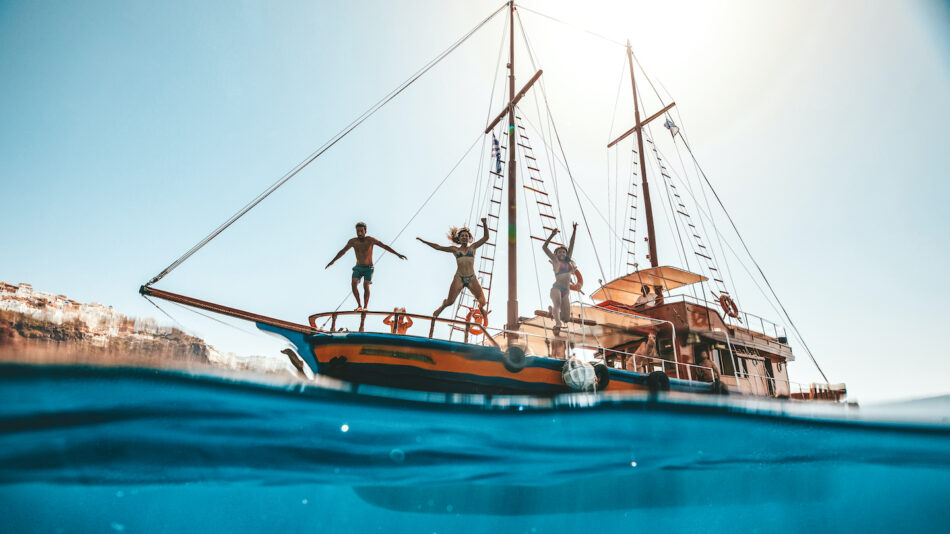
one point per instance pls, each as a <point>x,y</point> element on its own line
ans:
<point>362,246</point>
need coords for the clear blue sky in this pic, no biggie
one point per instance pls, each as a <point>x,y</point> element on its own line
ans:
<point>130,129</point>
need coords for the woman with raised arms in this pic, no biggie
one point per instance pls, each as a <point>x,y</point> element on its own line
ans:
<point>465,273</point>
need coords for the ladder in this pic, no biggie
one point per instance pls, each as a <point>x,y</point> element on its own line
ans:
<point>533,183</point>
<point>705,256</point>
<point>485,268</point>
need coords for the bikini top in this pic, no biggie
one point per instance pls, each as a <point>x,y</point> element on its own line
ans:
<point>469,254</point>
<point>563,267</point>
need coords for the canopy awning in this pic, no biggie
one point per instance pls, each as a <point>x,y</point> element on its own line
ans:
<point>591,325</point>
<point>627,289</point>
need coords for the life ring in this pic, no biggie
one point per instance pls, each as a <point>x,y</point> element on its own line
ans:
<point>729,306</point>
<point>580,281</point>
<point>478,322</point>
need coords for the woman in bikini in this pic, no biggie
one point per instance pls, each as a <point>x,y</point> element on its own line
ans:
<point>563,269</point>
<point>465,258</point>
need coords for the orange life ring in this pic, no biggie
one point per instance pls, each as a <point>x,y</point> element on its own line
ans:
<point>580,281</point>
<point>729,306</point>
<point>479,322</point>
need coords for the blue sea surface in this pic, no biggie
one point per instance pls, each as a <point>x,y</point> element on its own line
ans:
<point>86,449</point>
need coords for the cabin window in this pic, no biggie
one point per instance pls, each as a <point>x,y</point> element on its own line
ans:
<point>724,362</point>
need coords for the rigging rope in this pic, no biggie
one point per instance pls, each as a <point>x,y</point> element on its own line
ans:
<point>570,175</point>
<point>479,173</point>
<point>419,210</point>
<point>761,273</point>
<point>326,146</point>
<point>608,39</point>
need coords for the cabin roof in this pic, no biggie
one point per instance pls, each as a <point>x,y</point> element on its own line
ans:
<point>626,289</point>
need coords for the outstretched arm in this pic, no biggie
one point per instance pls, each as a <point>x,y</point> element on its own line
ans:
<point>385,247</point>
<point>437,247</point>
<point>484,238</point>
<point>570,247</point>
<point>340,253</point>
<point>547,242</point>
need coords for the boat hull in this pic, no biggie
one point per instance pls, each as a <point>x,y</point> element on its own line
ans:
<point>425,364</point>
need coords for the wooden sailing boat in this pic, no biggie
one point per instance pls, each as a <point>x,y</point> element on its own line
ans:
<point>528,355</point>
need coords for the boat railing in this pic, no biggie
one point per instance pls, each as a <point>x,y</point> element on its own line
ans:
<point>745,320</point>
<point>770,386</point>
<point>572,344</point>
<point>470,328</point>
<point>648,364</point>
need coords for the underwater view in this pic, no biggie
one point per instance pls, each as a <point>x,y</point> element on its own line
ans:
<point>87,449</point>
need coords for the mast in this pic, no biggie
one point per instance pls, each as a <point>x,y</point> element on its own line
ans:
<point>654,261</point>
<point>512,320</point>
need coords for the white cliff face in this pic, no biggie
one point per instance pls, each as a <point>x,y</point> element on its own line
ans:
<point>101,323</point>
<point>99,320</point>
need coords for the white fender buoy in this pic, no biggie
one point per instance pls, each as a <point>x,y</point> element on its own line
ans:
<point>578,374</point>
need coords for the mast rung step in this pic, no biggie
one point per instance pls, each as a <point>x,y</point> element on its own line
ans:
<point>498,188</point>
<point>496,173</point>
<point>548,229</point>
<point>718,280</point>
<point>696,236</point>
<point>631,195</point>
<point>691,225</point>
<point>535,190</point>
<point>536,179</point>
<point>682,213</point>
<point>628,241</point>
<point>543,239</point>
<point>524,146</point>
<point>703,255</point>
<point>544,204</point>
<point>713,269</point>
<point>530,168</point>
<point>487,258</point>
<point>485,272</point>
<point>495,201</point>
<point>493,215</point>
<point>700,245</point>
<point>491,244</point>
<point>548,216</point>
<point>530,157</point>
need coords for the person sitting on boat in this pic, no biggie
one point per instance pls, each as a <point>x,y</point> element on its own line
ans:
<point>362,246</point>
<point>647,348</point>
<point>563,269</point>
<point>465,259</point>
<point>707,371</point>
<point>404,322</point>
<point>646,299</point>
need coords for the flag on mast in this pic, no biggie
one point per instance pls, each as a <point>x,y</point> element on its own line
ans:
<point>674,129</point>
<point>496,153</point>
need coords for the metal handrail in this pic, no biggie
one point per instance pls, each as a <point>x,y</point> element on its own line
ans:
<point>489,333</point>
<point>396,317</point>
<point>776,329</point>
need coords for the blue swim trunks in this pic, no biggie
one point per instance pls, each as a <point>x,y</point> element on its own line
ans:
<point>363,271</point>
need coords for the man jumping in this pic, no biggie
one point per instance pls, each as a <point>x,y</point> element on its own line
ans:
<point>362,246</point>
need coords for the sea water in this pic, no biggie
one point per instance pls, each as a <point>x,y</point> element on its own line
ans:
<point>131,450</point>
